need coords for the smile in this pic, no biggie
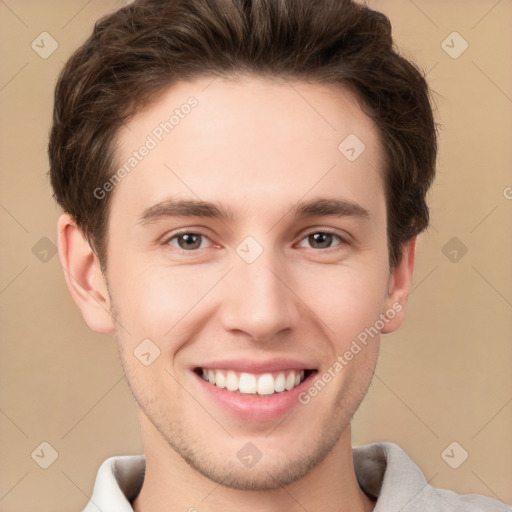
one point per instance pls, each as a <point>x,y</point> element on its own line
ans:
<point>254,384</point>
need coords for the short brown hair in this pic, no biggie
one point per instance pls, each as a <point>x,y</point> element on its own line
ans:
<point>144,47</point>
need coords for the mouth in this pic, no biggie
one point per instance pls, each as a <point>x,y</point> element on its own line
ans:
<point>255,384</point>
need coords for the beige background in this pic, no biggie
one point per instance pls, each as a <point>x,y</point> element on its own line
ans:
<point>445,376</point>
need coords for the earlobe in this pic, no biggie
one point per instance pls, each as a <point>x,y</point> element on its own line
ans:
<point>398,288</point>
<point>83,275</point>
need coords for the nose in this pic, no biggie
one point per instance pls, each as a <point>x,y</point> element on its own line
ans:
<point>261,302</point>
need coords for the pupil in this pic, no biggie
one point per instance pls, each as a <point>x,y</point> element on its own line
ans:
<point>322,238</point>
<point>190,237</point>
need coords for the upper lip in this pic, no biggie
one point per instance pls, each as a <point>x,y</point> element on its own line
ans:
<point>254,366</point>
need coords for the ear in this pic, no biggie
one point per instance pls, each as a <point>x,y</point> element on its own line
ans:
<point>83,275</point>
<point>398,288</point>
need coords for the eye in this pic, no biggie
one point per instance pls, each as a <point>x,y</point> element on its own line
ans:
<point>191,241</point>
<point>187,241</point>
<point>323,239</point>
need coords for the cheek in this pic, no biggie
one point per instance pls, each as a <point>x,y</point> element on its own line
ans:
<point>158,299</point>
<point>168,306</point>
<point>346,300</point>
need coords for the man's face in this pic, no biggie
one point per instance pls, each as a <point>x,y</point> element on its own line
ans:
<point>265,291</point>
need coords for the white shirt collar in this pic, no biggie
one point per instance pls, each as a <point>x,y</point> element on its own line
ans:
<point>383,470</point>
<point>117,484</point>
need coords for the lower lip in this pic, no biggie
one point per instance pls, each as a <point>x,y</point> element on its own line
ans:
<point>255,408</point>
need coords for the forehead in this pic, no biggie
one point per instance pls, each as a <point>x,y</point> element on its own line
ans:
<point>249,141</point>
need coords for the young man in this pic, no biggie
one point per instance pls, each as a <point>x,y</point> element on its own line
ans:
<point>243,183</point>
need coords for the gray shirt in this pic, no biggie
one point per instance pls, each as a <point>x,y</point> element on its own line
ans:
<point>383,470</point>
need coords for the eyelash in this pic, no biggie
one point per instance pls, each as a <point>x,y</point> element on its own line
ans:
<point>342,241</point>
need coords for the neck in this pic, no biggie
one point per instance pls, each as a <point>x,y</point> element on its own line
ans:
<point>171,484</point>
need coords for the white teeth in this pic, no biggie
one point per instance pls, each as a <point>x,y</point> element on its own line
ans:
<point>220,380</point>
<point>266,384</point>
<point>231,381</point>
<point>280,383</point>
<point>248,383</point>
<point>290,381</point>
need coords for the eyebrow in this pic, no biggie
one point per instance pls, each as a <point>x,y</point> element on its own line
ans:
<point>198,208</point>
